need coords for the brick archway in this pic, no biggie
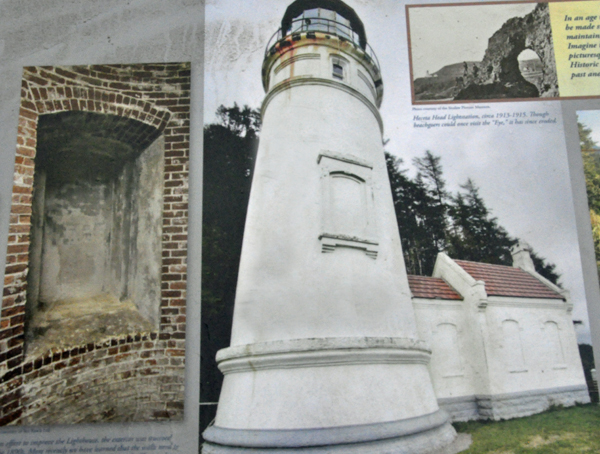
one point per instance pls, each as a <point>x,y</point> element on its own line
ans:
<point>154,94</point>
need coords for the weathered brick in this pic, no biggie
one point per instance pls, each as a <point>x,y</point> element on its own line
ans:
<point>80,88</point>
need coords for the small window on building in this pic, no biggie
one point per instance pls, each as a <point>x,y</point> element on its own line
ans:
<point>338,70</point>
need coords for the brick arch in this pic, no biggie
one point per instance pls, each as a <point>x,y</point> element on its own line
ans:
<point>133,93</point>
<point>133,132</point>
<point>60,99</point>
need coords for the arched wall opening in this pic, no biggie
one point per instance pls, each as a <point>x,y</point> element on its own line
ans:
<point>531,67</point>
<point>95,264</point>
<point>85,130</point>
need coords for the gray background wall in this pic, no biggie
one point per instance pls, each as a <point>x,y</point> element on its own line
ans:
<point>77,32</point>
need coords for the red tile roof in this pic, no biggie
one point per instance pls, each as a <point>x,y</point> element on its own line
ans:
<point>431,288</point>
<point>508,281</point>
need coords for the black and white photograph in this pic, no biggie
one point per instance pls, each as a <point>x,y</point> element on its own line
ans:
<point>481,52</point>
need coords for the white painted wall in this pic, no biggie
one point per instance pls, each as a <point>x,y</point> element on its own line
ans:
<point>319,265</point>
<point>443,324</point>
<point>288,288</point>
<point>492,347</point>
<point>531,344</point>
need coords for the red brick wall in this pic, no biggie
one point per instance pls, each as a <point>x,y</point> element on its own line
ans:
<point>129,378</point>
<point>155,94</point>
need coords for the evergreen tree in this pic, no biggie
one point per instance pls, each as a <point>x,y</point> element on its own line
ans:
<point>476,235</point>
<point>242,122</point>
<point>430,176</point>
<point>414,206</point>
<point>585,137</point>
<point>545,269</point>
<point>591,166</point>
<point>591,170</point>
<point>229,152</point>
<point>430,220</point>
<point>430,170</point>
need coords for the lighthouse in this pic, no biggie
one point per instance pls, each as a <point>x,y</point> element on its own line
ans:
<point>324,353</point>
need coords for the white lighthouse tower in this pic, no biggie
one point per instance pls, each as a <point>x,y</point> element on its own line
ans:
<point>324,353</point>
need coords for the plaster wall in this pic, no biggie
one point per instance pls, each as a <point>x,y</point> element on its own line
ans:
<point>76,237</point>
<point>515,357</point>
<point>520,354</point>
<point>104,236</point>
<point>443,325</point>
<point>288,213</point>
<point>316,61</point>
<point>473,323</point>
<point>531,344</point>
<point>323,310</point>
<point>313,391</point>
<point>121,251</point>
<point>146,231</point>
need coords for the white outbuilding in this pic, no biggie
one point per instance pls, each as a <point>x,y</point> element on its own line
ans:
<point>502,338</point>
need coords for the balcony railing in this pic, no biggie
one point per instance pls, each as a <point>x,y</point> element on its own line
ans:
<point>318,24</point>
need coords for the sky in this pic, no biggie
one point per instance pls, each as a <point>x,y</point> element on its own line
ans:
<point>522,172</point>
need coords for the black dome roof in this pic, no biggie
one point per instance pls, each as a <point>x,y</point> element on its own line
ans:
<point>299,6</point>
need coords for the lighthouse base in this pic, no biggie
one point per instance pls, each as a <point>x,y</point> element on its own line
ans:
<point>334,395</point>
<point>421,435</point>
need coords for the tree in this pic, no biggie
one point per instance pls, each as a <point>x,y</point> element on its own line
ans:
<point>417,214</point>
<point>548,270</point>
<point>586,352</point>
<point>585,137</point>
<point>242,122</point>
<point>591,170</point>
<point>430,170</point>
<point>595,221</point>
<point>591,166</point>
<point>477,236</point>
<point>430,175</point>
<point>430,220</point>
<point>229,152</point>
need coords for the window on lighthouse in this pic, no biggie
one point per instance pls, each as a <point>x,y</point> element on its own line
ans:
<point>327,21</point>
<point>338,71</point>
<point>338,68</point>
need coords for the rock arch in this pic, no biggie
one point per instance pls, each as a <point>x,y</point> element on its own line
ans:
<point>498,74</point>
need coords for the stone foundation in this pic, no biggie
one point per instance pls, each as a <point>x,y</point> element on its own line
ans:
<point>463,408</point>
<point>512,405</point>
<point>516,405</point>
<point>411,436</point>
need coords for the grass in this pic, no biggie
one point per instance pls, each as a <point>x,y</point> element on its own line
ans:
<point>556,431</point>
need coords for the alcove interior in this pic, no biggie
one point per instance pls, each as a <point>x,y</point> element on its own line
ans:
<point>95,245</point>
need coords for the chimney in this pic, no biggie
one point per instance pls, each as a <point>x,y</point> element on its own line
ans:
<point>521,254</point>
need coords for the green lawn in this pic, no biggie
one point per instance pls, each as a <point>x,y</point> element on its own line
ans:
<point>558,430</point>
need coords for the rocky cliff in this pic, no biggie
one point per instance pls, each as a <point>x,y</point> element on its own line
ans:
<point>498,75</point>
